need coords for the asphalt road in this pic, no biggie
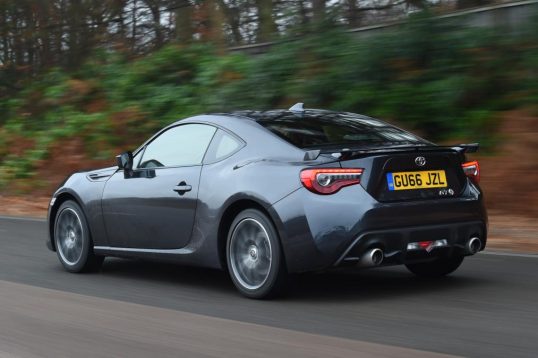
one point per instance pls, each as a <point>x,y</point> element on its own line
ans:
<point>133,308</point>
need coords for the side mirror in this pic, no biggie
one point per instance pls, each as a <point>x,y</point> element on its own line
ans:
<point>125,161</point>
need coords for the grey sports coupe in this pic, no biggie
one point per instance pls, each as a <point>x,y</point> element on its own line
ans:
<point>265,194</point>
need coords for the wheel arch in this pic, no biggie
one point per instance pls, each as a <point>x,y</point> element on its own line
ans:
<point>60,199</point>
<point>228,217</point>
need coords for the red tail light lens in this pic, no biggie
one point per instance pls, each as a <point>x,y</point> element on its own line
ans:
<point>472,170</point>
<point>329,180</point>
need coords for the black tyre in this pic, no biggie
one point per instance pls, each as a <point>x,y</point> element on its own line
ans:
<point>254,256</point>
<point>73,240</point>
<point>440,267</point>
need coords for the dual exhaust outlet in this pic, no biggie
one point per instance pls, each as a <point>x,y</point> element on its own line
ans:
<point>473,246</point>
<point>372,257</point>
<point>375,256</point>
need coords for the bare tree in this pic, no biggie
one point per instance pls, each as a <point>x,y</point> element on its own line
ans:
<point>38,34</point>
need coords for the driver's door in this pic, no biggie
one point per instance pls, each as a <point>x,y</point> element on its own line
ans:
<point>154,207</point>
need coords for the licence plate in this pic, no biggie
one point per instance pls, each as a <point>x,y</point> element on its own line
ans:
<point>417,180</point>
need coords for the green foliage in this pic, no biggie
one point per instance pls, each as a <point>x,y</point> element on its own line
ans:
<point>442,79</point>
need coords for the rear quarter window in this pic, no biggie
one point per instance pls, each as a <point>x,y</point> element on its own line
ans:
<point>222,146</point>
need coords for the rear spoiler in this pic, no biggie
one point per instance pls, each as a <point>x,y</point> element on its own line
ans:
<point>352,152</point>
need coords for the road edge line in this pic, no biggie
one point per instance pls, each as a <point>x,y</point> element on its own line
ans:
<point>22,218</point>
<point>510,254</point>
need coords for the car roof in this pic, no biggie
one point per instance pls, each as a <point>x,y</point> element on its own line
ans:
<point>275,114</point>
<point>291,115</point>
<point>306,128</point>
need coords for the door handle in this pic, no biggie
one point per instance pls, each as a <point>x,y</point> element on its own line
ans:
<point>182,188</point>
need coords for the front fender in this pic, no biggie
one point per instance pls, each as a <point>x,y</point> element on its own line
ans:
<point>87,194</point>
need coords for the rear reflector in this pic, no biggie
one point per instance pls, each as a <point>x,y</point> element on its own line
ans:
<point>472,170</point>
<point>427,245</point>
<point>329,180</point>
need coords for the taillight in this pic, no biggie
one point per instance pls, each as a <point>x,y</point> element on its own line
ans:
<point>472,170</point>
<point>329,180</point>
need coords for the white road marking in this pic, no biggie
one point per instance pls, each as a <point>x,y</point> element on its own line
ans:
<point>511,254</point>
<point>20,218</point>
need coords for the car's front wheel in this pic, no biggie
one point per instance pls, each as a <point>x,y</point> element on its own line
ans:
<point>73,241</point>
<point>254,255</point>
<point>440,267</point>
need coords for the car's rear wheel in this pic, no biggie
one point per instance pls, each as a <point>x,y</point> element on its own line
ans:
<point>254,255</point>
<point>73,241</point>
<point>440,267</point>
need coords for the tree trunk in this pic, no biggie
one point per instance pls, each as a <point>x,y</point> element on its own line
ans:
<point>318,10</point>
<point>30,35</point>
<point>213,21</point>
<point>134,25</point>
<point>59,31</point>
<point>184,25</point>
<point>155,9</point>
<point>266,23</point>
<point>44,35</point>
<point>4,31</point>
<point>352,14</point>
<point>232,16</point>
<point>17,40</point>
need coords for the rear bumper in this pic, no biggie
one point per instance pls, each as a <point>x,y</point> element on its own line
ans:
<point>394,242</point>
<point>323,231</point>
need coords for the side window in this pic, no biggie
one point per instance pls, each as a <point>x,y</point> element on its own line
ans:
<point>179,146</point>
<point>222,146</point>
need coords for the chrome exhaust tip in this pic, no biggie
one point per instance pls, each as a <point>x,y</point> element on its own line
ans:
<point>473,245</point>
<point>372,257</point>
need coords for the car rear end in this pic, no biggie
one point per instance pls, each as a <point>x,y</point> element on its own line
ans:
<point>383,198</point>
<point>425,203</point>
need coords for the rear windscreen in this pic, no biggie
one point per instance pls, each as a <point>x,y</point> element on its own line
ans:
<point>336,130</point>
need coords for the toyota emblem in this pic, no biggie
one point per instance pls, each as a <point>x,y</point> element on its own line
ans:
<point>420,161</point>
